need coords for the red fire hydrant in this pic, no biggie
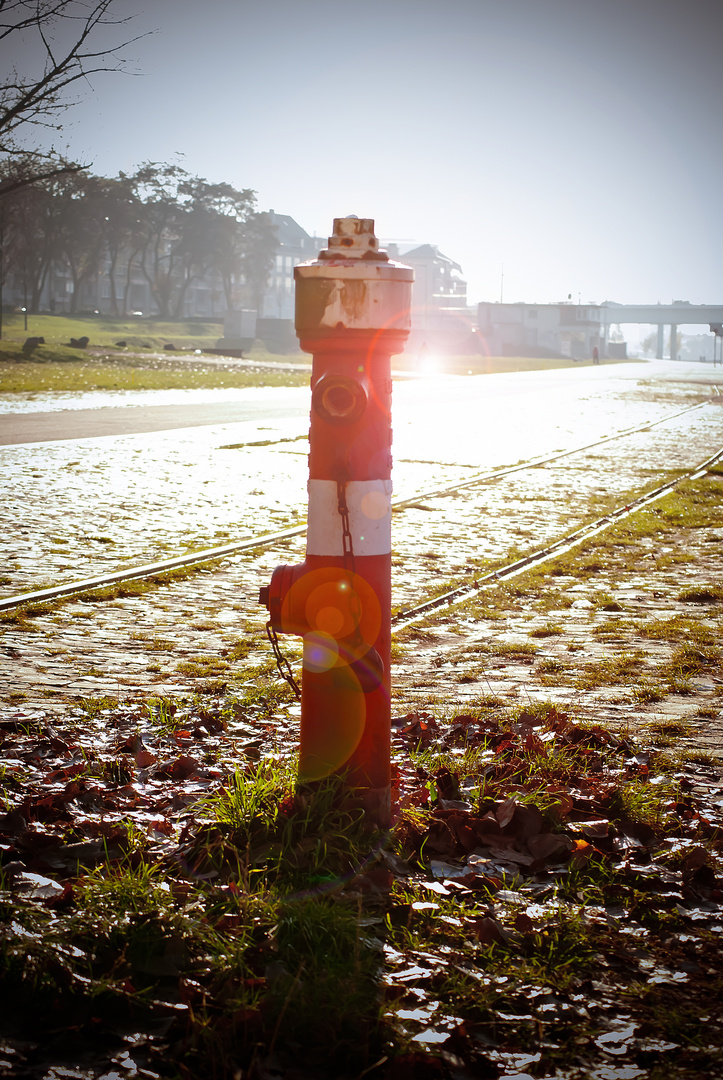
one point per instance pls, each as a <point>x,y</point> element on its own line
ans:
<point>353,315</point>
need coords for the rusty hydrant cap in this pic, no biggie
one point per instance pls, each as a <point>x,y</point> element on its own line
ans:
<point>352,285</point>
<point>353,238</point>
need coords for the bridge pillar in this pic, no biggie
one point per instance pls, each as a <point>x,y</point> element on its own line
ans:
<point>661,342</point>
<point>673,341</point>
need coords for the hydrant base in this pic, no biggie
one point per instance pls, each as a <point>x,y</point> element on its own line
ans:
<point>377,805</point>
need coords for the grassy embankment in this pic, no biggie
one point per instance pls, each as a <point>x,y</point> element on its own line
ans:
<point>144,364</point>
<point>141,364</point>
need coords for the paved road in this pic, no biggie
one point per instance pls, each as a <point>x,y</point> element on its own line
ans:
<point>34,427</point>
<point>430,405</point>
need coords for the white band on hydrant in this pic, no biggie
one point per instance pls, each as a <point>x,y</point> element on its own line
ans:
<point>370,517</point>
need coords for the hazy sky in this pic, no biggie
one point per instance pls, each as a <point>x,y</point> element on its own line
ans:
<point>577,142</point>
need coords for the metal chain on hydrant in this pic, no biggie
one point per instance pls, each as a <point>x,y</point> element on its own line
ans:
<point>347,543</point>
<point>282,662</point>
<point>347,546</point>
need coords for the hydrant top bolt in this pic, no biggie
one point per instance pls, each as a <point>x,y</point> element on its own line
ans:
<point>354,238</point>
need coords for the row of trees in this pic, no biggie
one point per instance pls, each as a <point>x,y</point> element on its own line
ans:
<point>161,222</point>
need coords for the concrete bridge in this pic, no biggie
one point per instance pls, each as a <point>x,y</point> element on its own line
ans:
<point>679,313</point>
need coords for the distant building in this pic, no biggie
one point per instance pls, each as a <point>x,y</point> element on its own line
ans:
<point>295,246</point>
<point>439,293</point>
<point>572,330</point>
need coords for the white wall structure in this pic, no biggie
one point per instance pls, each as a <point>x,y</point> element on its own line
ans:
<point>566,329</point>
<point>575,330</point>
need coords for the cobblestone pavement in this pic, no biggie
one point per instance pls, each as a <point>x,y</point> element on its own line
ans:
<point>611,632</point>
<point>76,508</point>
<point>79,508</point>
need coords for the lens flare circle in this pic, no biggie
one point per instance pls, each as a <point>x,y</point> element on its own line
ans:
<point>334,608</point>
<point>335,601</point>
<point>330,620</point>
<point>375,505</point>
<point>321,652</point>
<point>329,738</point>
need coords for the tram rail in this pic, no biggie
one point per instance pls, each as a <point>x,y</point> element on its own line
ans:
<point>149,570</point>
<point>565,543</point>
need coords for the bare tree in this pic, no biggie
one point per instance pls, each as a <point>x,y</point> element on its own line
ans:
<point>53,46</point>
